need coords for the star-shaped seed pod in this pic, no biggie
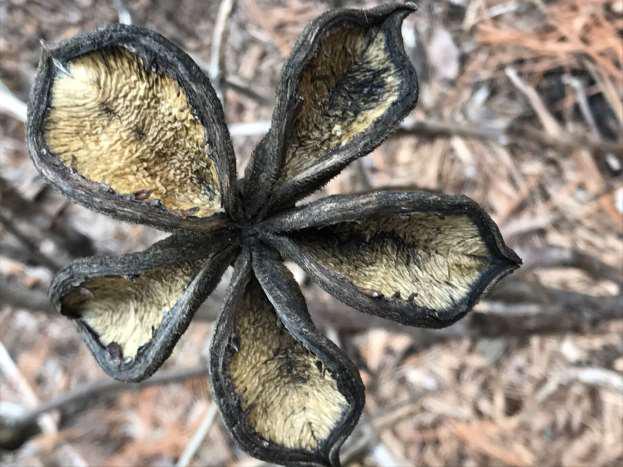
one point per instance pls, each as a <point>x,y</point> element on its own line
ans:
<point>125,123</point>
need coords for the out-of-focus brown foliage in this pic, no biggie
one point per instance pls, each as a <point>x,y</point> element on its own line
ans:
<point>510,83</point>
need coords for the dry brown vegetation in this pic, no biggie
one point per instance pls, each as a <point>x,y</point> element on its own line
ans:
<point>521,109</point>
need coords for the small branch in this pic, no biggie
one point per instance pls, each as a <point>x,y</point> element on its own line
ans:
<point>12,105</point>
<point>18,296</point>
<point>561,142</point>
<point>109,387</point>
<point>599,377</point>
<point>197,439</point>
<point>432,128</point>
<point>608,88</point>
<point>16,254</point>
<point>123,14</point>
<point>249,129</point>
<point>237,85</point>
<point>566,141</point>
<point>552,256</point>
<point>547,120</point>
<point>234,83</point>
<point>506,313</point>
<point>377,423</point>
<point>41,225</point>
<point>89,394</point>
<point>362,179</point>
<point>511,135</point>
<point>504,137</point>
<point>14,376</point>
<point>216,67</point>
<point>582,100</point>
<point>36,254</point>
<point>514,308</point>
<point>361,442</point>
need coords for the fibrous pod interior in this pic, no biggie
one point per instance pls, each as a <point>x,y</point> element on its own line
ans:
<point>434,259</point>
<point>131,128</point>
<point>351,81</point>
<point>287,395</point>
<point>125,311</point>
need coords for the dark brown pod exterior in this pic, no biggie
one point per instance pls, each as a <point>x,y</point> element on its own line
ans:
<point>418,258</point>
<point>300,361</point>
<point>160,288</point>
<point>374,88</point>
<point>155,59</point>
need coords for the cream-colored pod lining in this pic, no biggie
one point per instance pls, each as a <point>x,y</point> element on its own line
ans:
<point>348,85</point>
<point>286,393</point>
<point>127,311</point>
<point>116,123</point>
<point>432,260</point>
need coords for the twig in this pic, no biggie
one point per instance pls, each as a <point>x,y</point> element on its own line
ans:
<point>522,313</point>
<point>552,256</point>
<point>577,86</point>
<point>249,129</point>
<point>16,254</point>
<point>547,120</point>
<point>16,108</point>
<point>502,9</point>
<point>562,142</point>
<point>14,376</point>
<point>515,308</point>
<point>377,423</point>
<point>91,392</point>
<point>434,128</point>
<point>18,296</point>
<point>565,312</point>
<point>599,377</point>
<point>42,225</point>
<point>515,227</point>
<point>608,88</point>
<point>33,249</point>
<point>216,67</point>
<point>357,449</point>
<point>237,85</point>
<point>511,135</point>
<point>11,105</point>
<point>234,83</point>
<point>359,446</point>
<point>123,14</point>
<point>198,437</point>
<point>504,137</point>
<point>362,179</point>
<point>46,422</point>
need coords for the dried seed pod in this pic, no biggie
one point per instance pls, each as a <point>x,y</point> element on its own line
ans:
<point>442,252</point>
<point>346,85</point>
<point>124,122</point>
<point>312,396</point>
<point>132,310</point>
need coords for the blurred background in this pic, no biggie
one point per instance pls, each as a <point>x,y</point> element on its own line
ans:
<point>520,109</point>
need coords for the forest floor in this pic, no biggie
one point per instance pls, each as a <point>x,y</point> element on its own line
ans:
<point>520,109</point>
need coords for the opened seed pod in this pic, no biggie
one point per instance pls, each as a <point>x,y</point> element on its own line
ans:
<point>123,121</point>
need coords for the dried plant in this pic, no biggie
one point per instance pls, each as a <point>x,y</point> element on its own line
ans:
<point>124,122</point>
